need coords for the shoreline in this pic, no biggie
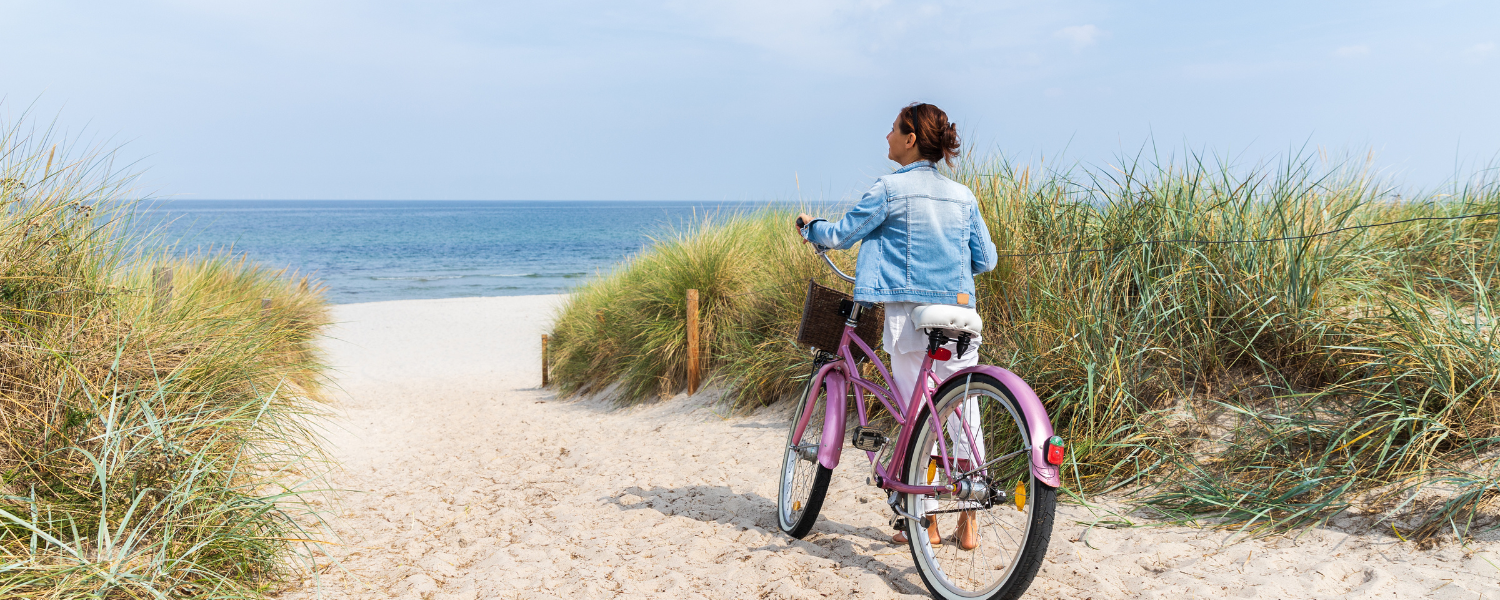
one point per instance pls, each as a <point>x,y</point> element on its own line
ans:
<point>452,298</point>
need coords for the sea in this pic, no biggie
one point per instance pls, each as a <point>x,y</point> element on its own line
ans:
<point>376,250</point>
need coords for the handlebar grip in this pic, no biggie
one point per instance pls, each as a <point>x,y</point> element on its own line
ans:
<point>801,223</point>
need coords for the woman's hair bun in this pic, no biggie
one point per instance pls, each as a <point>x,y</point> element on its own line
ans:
<point>937,139</point>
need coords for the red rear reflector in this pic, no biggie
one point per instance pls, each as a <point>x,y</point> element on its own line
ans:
<point>1055,450</point>
<point>942,354</point>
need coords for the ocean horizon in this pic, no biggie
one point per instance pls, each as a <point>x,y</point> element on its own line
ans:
<point>377,250</point>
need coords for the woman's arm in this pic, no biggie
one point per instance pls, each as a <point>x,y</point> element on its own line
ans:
<point>982,255</point>
<point>856,224</point>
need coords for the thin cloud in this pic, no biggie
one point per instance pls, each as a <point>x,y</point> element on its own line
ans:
<point>1354,51</point>
<point>1481,50</point>
<point>1081,36</point>
<point>869,36</point>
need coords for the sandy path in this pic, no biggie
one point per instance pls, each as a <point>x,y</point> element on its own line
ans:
<point>468,482</point>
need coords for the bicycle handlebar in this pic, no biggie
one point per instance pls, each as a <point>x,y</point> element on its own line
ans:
<point>823,252</point>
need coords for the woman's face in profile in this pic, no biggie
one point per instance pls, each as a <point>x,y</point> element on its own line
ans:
<point>900,144</point>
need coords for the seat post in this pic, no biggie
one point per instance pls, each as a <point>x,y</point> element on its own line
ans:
<point>854,311</point>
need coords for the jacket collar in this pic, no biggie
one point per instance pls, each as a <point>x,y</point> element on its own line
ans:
<point>916,165</point>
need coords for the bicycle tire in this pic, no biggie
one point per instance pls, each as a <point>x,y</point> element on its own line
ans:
<point>1041,499</point>
<point>795,513</point>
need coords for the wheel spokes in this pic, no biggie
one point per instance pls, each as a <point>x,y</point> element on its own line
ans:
<point>984,437</point>
<point>800,465</point>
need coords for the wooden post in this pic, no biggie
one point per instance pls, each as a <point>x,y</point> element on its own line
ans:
<point>162,288</point>
<point>692,341</point>
<point>544,360</point>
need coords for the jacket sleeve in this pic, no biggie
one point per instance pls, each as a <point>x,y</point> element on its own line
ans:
<point>868,214</point>
<point>982,255</point>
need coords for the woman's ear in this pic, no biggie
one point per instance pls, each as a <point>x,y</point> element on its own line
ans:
<point>910,139</point>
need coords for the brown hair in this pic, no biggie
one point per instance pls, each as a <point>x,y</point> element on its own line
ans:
<point>937,139</point>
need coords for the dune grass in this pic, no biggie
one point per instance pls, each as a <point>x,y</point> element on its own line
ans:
<point>1262,385</point>
<point>148,448</point>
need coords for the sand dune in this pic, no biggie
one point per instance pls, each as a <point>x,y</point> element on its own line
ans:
<point>466,481</point>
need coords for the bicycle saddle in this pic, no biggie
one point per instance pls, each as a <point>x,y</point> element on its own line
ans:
<point>945,316</point>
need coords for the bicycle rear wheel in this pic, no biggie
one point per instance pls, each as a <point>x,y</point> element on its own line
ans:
<point>804,482</point>
<point>985,435</point>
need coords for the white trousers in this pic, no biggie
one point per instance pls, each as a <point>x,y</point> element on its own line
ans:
<point>907,347</point>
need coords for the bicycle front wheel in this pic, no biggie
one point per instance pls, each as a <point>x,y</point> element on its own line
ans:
<point>804,482</point>
<point>998,540</point>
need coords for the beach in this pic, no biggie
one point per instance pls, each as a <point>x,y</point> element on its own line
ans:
<point>460,477</point>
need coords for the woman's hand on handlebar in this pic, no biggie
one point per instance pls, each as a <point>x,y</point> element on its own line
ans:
<point>801,221</point>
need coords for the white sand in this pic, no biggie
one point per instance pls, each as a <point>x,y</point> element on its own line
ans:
<point>467,481</point>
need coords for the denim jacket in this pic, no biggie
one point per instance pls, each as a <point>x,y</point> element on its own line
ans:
<point>923,239</point>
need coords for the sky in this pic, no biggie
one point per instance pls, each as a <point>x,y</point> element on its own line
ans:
<point>735,100</point>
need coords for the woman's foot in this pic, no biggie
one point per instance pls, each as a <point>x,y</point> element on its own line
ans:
<point>932,535</point>
<point>968,531</point>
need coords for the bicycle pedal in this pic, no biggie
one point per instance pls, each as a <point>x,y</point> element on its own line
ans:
<point>868,439</point>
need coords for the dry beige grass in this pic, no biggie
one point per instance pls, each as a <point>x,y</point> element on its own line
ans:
<point>149,444</point>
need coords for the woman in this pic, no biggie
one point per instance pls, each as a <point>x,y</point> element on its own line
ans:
<point>923,242</point>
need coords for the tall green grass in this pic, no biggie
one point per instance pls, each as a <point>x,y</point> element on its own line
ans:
<point>147,450</point>
<point>1265,384</point>
<point>627,328</point>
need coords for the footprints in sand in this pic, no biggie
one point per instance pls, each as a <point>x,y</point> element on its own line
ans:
<point>467,486</point>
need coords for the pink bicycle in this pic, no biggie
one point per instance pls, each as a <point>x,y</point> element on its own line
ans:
<point>977,450</point>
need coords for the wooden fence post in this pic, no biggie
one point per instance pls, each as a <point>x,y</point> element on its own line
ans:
<point>162,288</point>
<point>544,360</point>
<point>692,342</point>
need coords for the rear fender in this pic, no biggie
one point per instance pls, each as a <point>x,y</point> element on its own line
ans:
<point>1038,423</point>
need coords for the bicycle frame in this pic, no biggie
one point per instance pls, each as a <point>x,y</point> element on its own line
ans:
<point>843,372</point>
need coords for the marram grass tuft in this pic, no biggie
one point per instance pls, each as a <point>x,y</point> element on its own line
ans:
<point>151,445</point>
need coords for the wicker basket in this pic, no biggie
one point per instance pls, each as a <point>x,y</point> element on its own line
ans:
<point>823,316</point>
